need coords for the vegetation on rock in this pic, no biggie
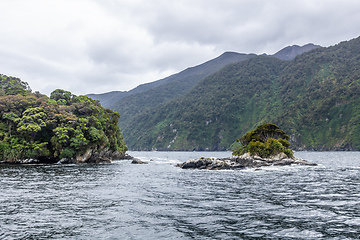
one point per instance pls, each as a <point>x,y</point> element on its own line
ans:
<point>265,141</point>
<point>35,126</point>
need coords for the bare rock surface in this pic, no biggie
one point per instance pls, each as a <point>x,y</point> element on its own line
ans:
<point>137,161</point>
<point>242,162</point>
<point>90,156</point>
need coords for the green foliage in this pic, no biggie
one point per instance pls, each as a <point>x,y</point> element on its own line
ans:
<point>13,86</point>
<point>265,141</point>
<point>61,96</point>
<point>289,153</point>
<point>67,153</point>
<point>315,98</point>
<point>63,126</point>
<point>264,133</point>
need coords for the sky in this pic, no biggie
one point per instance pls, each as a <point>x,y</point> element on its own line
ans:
<point>98,46</point>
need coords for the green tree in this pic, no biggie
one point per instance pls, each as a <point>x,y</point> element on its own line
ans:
<point>62,126</point>
<point>10,119</point>
<point>31,122</point>
<point>61,96</point>
<point>265,141</point>
<point>263,133</point>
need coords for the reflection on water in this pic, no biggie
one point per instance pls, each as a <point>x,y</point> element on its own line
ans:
<point>160,201</point>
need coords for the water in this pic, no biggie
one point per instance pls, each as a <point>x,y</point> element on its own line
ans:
<point>160,201</point>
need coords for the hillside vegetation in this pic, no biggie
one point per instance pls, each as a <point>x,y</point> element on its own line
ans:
<point>34,126</point>
<point>314,98</point>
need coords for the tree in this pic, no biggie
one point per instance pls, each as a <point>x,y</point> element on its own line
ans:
<point>265,141</point>
<point>263,133</point>
<point>61,96</point>
<point>13,86</point>
<point>63,126</point>
<point>31,122</point>
<point>10,119</point>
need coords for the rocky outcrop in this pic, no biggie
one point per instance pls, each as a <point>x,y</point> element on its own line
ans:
<point>137,161</point>
<point>242,162</point>
<point>90,156</point>
<point>104,156</point>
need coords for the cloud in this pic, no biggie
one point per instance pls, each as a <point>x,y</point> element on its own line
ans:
<point>94,46</point>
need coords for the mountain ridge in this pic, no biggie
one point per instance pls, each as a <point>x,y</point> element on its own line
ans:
<point>109,99</point>
<point>203,69</point>
<point>290,52</point>
<point>314,97</point>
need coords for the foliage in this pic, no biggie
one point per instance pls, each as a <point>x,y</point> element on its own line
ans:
<point>315,98</point>
<point>263,133</point>
<point>13,86</point>
<point>33,125</point>
<point>265,141</point>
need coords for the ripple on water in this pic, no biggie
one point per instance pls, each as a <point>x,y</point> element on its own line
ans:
<point>160,201</point>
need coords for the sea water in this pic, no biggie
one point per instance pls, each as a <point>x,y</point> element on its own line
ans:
<point>160,201</point>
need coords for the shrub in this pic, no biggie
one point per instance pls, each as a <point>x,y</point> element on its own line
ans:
<point>67,153</point>
<point>256,148</point>
<point>273,147</point>
<point>289,153</point>
<point>265,141</point>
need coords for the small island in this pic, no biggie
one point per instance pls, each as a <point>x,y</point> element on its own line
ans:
<point>267,145</point>
<point>62,128</point>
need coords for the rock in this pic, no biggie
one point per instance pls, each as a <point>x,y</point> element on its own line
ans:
<point>210,163</point>
<point>29,161</point>
<point>126,157</point>
<point>137,161</point>
<point>279,156</point>
<point>85,157</point>
<point>64,161</point>
<point>241,162</point>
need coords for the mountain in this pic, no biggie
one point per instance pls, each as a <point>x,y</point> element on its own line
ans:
<point>290,52</point>
<point>106,99</point>
<point>194,74</point>
<point>183,80</point>
<point>146,96</point>
<point>314,98</point>
<point>150,95</point>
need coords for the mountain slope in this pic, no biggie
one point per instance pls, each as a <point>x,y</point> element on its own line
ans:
<point>106,99</point>
<point>171,87</point>
<point>314,97</point>
<point>189,77</point>
<point>290,52</point>
<point>111,99</point>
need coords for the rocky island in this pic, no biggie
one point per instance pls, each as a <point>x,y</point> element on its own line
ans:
<point>62,128</point>
<point>267,145</point>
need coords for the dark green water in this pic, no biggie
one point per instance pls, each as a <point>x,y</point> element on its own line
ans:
<point>160,201</point>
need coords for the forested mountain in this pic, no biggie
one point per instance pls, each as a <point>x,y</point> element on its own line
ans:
<point>36,128</point>
<point>170,87</point>
<point>290,52</point>
<point>108,98</point>
<point>314,97</point>
<point>150,95</point>
<point>187,78</point>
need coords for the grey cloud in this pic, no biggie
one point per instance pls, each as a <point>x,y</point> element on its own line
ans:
<point>104,45</point>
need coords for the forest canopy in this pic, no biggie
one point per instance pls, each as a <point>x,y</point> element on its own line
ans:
<point>265,141</point>
<point>33,125</point>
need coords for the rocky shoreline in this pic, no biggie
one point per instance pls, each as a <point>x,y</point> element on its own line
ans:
<point>242,162</point>
<point>90,156</point>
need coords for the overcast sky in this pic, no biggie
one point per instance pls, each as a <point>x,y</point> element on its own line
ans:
<point>96,46</point>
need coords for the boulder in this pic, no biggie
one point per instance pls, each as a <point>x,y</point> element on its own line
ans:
<point>137,161</point>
